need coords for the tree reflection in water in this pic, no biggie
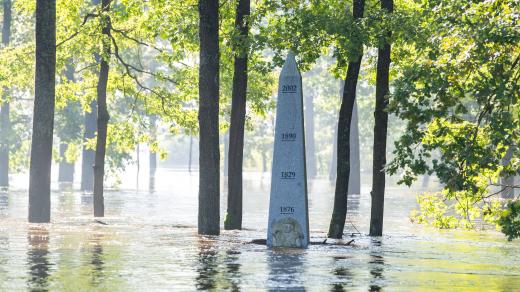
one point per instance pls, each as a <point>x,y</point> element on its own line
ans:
<point>376,264</point>
<point>96,259</point>
<point>341,272</point>
<point>37,258</point>
<point>207,265</point>
<point>233,269</point>
<point>286,269</point>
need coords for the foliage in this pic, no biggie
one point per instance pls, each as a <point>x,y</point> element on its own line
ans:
<point>510,220</point>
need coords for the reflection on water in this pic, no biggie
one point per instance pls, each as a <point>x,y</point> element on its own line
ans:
<point>342,274</point>
<point>376,265</point>
<point>150,242</point>
<point>37,258</point>
<point>207,265</point>
<point>233,269</point>
<point>286,269</point>
<point>96,260</point>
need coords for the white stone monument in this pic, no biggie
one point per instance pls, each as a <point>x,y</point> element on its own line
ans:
<point>288,210</point>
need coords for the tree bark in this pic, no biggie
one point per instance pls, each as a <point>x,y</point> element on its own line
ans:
<point>209,157</point>
<point>309,135</point>
<point>380,131</point>
<point>190,155</point>
<point>355,161</point>
<point>66,169</point>
<point>354,186</point>
<point>103,116</point>
<point>507,182</point>
<point>43,118</point>
<point>87,160</point>
<point>238,115</point>
<point>88,155</point>
<point>339,213</point>
<point>5,124</point>
<point>153,155</point>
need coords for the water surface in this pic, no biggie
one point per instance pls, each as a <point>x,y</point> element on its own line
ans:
<point>151,243</point>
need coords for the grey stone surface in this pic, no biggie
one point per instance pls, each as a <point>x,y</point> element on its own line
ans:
<point>288,209</point>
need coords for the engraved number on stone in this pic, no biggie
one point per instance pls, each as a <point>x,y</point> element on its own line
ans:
<point>289,88</point>
<point>288,175</point>
<point>288,136</point>
<point>286,209</point>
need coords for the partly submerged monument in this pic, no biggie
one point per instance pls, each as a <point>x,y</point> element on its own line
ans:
<point>288,209</point>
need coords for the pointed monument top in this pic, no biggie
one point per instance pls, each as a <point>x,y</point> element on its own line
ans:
<point>290,68</point>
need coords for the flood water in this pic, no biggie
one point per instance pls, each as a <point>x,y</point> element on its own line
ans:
<point>151,243</point>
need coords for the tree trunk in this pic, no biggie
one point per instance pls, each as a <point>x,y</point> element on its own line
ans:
<point>507,182</point>
<point>103,117</point>
<point>43,118</point>
<point>66,169</point>
<point>153,155</point>
<point>380,132</point>
<point>87,160</point>
<point>5,125</point>
<point>88,155</point>
<point>339,213</point>
<point>209,154</point>
<point>226,150</point>
<point>354,186</point>
<point>309,135</point>
<point>190,155</point>
<point>238,115</point>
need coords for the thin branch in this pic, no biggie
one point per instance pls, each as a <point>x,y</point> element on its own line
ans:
<point>85,19</point>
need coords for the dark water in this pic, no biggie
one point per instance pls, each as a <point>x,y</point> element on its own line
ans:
<point>151,243</point>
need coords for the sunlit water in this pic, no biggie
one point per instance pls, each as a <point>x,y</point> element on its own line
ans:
<point>151,243</point>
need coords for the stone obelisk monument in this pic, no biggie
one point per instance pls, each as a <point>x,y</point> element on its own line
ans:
<point>288,210</point>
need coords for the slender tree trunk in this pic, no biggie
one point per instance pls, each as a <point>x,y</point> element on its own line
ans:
<point>153,155</point>
<point>88,155</point>
<point>87,160</point>
<point>309,135</point>
<point>507,182</point>
<point>66,169</point>
<point>190,155</point>
<point>354,186</point>
<point>238,115</point>
<point>339,213</point>
<point>43,118</point>
<point>226,151</point>
<point>102,117</point>
<point>209,154</point>
<point>380,132</point>
<point>5,125</point>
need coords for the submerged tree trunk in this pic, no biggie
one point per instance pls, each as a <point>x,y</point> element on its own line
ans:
<point>102,118</point>
<point>354,186</point>
<point>309,135</point>
<point>190,155</point>
<point>339,213</point>
<point>88,155</point>
<point>43,118</point>
<point>507,182</point>
<point>153,154</point>
<point>87,160</point>
<point>355,160</point>
<point>380,131</point>
<point>209,154</point>
<point>238,114</point>
<point>226,150</point>
<point>5,124</point>
<point>66,169</point>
